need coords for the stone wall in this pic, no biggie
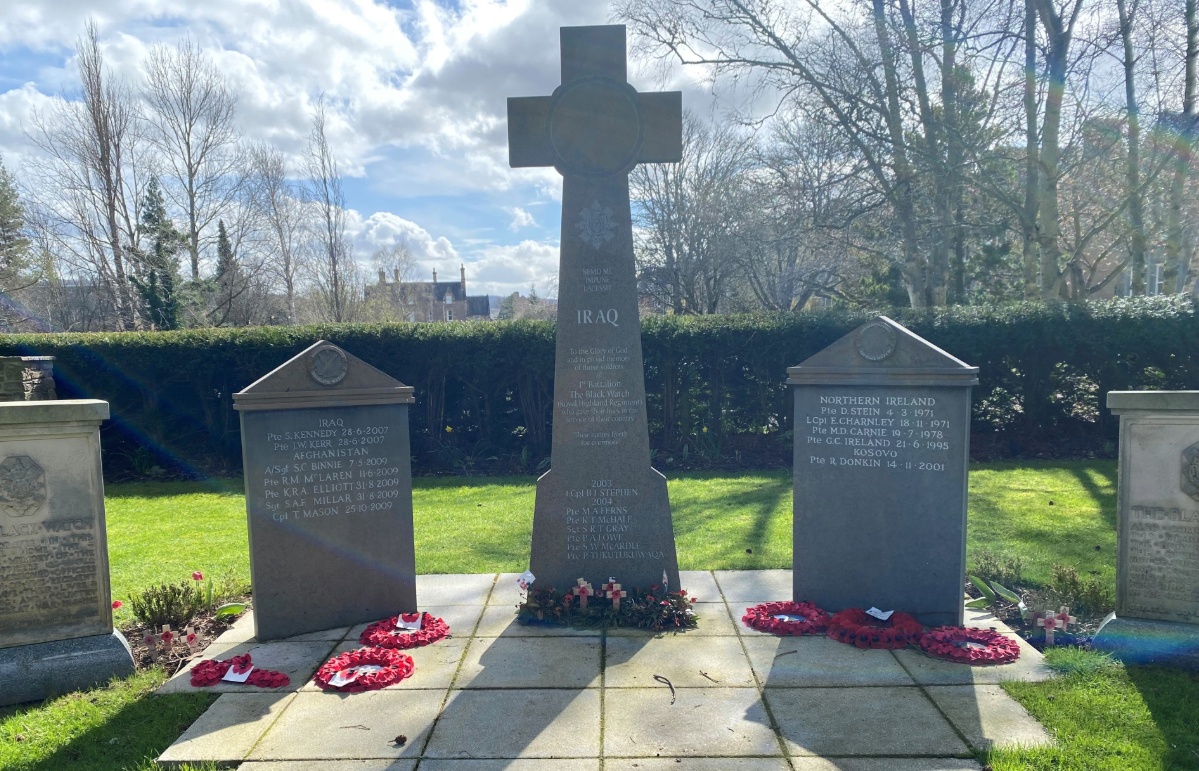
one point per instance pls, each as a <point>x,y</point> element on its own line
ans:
<point>27,379</point>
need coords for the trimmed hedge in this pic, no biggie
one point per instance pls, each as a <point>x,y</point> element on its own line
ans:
<point>715,384</point>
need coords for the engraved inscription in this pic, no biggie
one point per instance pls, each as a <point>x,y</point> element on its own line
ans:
<point>876,341</point>
<point>328,365</point>
<point>48,571</point>
<point>329,467</point>
<point>22,486</point>
<point>1162,569</point>
<point>598,523</point>
<point>902,433</point>
<point>1189,481</point>
<point>596,226</point>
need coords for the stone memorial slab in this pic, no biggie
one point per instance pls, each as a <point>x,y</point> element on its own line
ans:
<point>601,509</point>
<point>56,631</point>
<point>1157,562</point>
<point>882,439</point>
<point>328,478</point>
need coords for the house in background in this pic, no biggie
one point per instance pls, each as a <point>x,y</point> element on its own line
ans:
<point>430,300</point>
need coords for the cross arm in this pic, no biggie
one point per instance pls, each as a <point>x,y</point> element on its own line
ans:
<point>662,119</point>
<point>529,132</point>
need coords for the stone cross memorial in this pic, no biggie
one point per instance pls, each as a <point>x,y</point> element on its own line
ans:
<point>882,436</point>
<point>56,631</point>
<point>601,509</point>
<point>328,477</point>
<point>1157,526</point>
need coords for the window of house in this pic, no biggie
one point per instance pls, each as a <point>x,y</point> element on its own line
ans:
<point>449,298</point>
<point>449,314</point>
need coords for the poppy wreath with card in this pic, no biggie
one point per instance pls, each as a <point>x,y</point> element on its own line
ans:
<point>797,618</point>
<point>384,634</point>
<point>970,645</point>
<point>210,672</point>
<point>393,667</point>
<point>854,626</point>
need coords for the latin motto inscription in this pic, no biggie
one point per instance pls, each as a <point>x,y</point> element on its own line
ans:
<point>327,468</point>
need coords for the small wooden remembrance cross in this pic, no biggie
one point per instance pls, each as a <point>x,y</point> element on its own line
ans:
<point>601,509</point>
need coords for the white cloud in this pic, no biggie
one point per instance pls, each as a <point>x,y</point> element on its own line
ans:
<point>383,229</point>
<point>503,270</point>
<point>520,218</point>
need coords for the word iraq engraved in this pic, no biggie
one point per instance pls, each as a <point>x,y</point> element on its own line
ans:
<point>601,510</point>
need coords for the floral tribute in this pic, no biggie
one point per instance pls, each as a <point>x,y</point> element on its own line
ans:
<point>969,645</point>
<point>210,672</point>
<point>853,626</point>
<point>610,605</point>
<point>386,634</point>
<point>787,618</point>
<point>366,669</point>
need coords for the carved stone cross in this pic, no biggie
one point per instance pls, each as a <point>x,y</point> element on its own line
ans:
<point>601,509</point>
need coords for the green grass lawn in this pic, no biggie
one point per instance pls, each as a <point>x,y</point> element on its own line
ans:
<point>1104,716</point>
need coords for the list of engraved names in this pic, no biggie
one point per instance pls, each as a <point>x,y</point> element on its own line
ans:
<point>47,569</point>
<point>598,522</point>
<point>332,466</point>
<point>894,432</point>
<point>1163,560</point>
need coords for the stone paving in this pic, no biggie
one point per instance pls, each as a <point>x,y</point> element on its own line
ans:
<point>499,695</point>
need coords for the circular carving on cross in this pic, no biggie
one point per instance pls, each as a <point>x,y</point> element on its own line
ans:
<point>327,365</point>
<point>595,127</point>
<point>22,486</point>
<point>876,341</point>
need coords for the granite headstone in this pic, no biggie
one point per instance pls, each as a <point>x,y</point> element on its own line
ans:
<point>328,478</point>
<point>882,434</point>
<point>1157,564</point>
<point>601,509</point>
<point>56,632</point>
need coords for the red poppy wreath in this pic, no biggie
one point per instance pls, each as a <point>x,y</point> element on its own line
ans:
<point>853,626</point>
<point>385,634</point>
<point>970,645</point>
<point>210,672</point>
<point>787,618</point>
<point>366,669</point>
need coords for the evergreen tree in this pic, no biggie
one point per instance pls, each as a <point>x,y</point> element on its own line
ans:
<point>158,282</point>
<point>14,247</point>
<point>227,280</point>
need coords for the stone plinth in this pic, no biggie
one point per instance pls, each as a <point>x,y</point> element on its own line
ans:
<point>1157,562</point>
<point>882,429</point>
<point>328,478</point>
<point>56,631</point>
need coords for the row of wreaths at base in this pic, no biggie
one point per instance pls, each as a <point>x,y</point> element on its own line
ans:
<point>376,666</point>
<point>854,626</point>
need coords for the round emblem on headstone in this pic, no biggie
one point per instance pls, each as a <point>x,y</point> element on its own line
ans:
<point>22,486</point>
<point>1190,471</point>
<point>876,341</point>
<point>595,127</point>
<point>327,365</point>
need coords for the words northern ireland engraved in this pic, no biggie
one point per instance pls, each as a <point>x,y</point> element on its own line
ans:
<point>898,433</point>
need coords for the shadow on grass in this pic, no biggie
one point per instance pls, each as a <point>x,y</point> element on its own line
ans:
<point>760,503</point>
<point>1172,696</point>
<point>129,738</point>
<point>217,486</point>
<point>1105,500</point>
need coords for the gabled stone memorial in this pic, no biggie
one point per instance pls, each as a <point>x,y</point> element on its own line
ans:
<point>328,478</point>
<point>882,444</point>
<point>1156,620</point>
<point>56,632</point>
<point>601,509</point>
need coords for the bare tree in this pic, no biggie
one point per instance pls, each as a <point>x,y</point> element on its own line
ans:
<point>191,121</point>
<point>86,179</point>
<point>334,270</point>
<point>281,207</point>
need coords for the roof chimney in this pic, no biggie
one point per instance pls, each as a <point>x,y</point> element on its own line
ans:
<point>395,274</point>
<point>382,277</point>
<point>463,269</point>
<point>435,275</point>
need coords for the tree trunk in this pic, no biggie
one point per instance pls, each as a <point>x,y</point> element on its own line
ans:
<point>1136,219</point>
<point>1178,261</point>
<point>1032,177</point>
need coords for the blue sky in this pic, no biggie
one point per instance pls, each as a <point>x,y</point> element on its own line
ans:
<point>418,91</point>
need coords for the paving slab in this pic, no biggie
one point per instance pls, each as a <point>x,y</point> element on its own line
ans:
<point>501,621</point>
<point>814,661</point>
<point>297,660</point>
<point>461,618</point>
<point>434,666</point>
<point>988,717</point>
<point>227,731</point>
<point>696,764</point>
<point>882,764</point>
<point>329,765</point>
<point>340,726</point>
<point>544,662</point>
<point>754,586</point>
<point>700,584</point>
<point>454,589</point>
<point>926,670</point>
<point>861,721</point>
<point>518,724</point>
<point>506,591</point>
<point>704,722</point>
<point>518,764</point>
<point>242,630</point>
<point>686,661</point>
